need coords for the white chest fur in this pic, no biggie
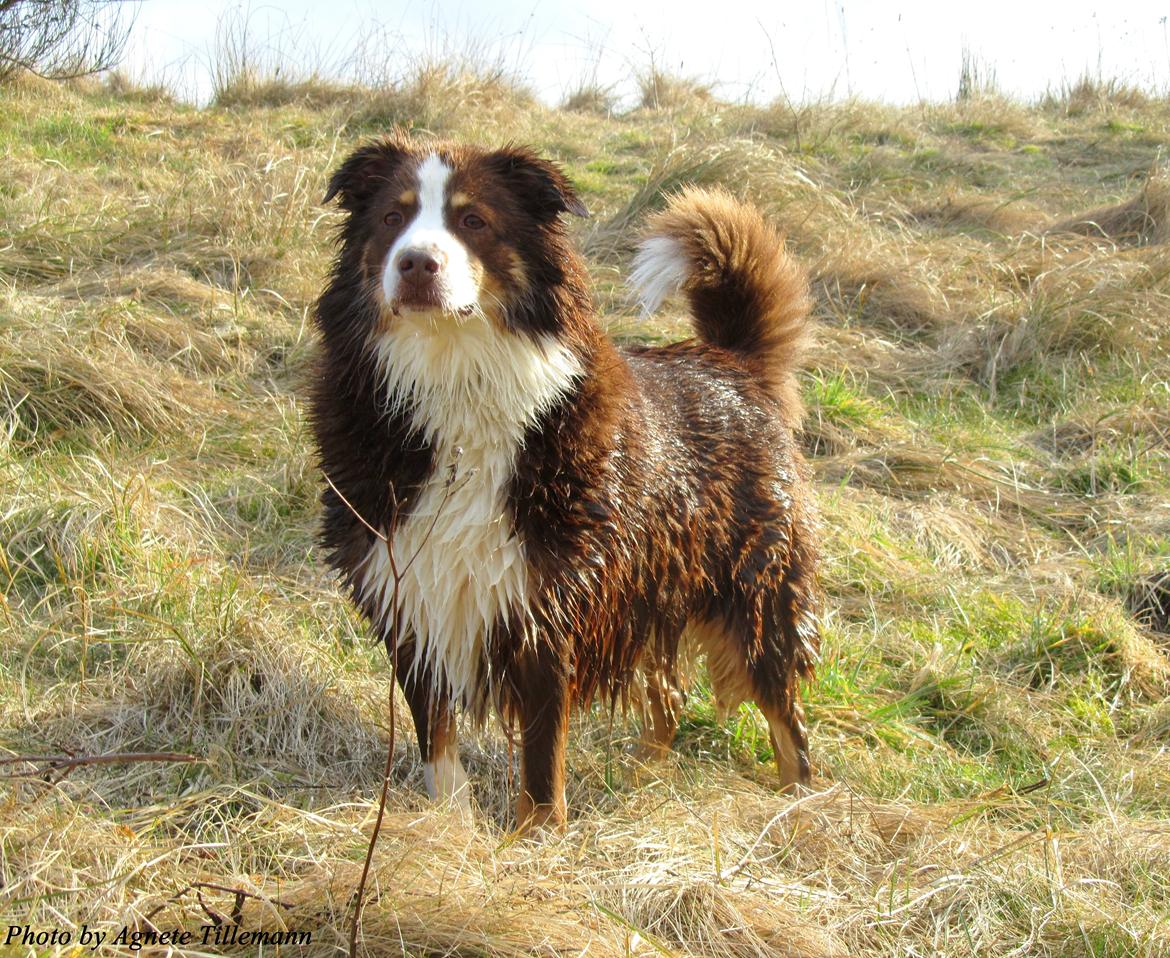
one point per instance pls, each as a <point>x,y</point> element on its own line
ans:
<point>474,391</point>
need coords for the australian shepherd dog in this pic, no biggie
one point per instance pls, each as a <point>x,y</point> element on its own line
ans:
<point>531,516</point>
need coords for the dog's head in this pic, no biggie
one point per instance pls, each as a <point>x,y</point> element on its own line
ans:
<point>451,231</point>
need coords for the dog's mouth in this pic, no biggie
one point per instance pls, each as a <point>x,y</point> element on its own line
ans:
<point>401,306</point>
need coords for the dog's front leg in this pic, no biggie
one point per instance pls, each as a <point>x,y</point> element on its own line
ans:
<point>434,723</point>
<point>544,699</point>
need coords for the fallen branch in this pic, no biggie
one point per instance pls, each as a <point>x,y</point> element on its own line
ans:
<point>241,895</point>
<point>64,764</point>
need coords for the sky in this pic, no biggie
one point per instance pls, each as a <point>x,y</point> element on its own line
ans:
<point>899,52</point>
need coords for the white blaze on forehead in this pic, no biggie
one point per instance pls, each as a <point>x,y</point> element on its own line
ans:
<point>428,233</point>
<point>433,175</point>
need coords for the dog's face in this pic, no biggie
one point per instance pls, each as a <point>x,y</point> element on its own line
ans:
<point>449,232</point>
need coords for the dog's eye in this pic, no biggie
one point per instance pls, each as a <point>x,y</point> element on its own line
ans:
<point>393,218</point>
<point>473,222</point>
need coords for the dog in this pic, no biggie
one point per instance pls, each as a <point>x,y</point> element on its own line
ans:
<point>531,516</point>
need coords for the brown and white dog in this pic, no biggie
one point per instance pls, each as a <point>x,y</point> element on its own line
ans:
<point>538,515</point>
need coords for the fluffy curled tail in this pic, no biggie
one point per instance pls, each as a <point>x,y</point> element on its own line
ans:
<point>746,294</point>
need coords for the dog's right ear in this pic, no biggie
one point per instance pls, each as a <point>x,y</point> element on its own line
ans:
<point>366,169</point>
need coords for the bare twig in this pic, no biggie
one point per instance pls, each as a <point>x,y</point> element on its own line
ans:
<point>64,764</point>
<point>783,90</point>
<point>216,918</point>
<point>361,889</point>
<point>360,518</point>
<point>395,627</point>
<point>241,895</point>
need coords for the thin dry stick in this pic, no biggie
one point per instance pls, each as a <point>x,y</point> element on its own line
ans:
<point>67,763</point>
<point>394,635</point>
<point>241,895</point>
<point>358,515</point>
<point>361,888</point>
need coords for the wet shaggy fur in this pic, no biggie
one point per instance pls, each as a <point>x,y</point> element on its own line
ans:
<point>654,497</point>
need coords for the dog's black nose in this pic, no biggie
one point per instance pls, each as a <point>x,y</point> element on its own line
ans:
<point>419,265</point>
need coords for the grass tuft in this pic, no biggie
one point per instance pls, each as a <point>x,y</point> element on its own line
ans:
<point>659,90</point>
<point>1090,94</point>
<point>1141,221</point>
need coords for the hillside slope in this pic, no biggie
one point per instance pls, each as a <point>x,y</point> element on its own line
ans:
<point>989,422</point>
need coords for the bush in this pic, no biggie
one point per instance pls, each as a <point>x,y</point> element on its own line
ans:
<point>61,38</point>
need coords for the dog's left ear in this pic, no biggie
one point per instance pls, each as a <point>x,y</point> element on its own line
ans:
<point>539,184</point>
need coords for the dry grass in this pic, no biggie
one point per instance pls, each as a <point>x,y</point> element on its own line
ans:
<point>989,433</point>
<point>1091,94</point>
<point>591,97</point>
<point>409,88</point>
<point>1007,217</point>
<point>660,90</point>
<point>1140,221</point>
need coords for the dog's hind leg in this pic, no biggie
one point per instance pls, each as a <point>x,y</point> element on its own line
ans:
<point>732,683</point>
<point>661,708</point>
<point>789,742</point>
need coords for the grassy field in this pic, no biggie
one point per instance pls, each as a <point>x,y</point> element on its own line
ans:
<point>989,426</point>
